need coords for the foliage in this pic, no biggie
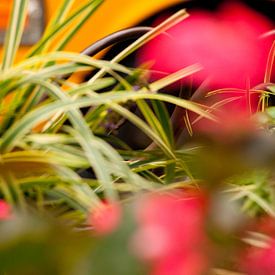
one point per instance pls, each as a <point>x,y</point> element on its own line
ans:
<point>72,192</point>
<point>46,140</point>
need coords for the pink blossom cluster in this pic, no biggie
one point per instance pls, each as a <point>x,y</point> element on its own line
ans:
<point>171,234</point>
<point>232,45</point>
<point>5,210</point>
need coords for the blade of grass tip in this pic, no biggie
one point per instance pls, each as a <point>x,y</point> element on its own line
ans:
<point>165,25</point>
<point>224,91</point>
<point>15,32</point>
<point>216,106</point>
<point>168,23</point>
<point>188,123</point>
<point>174,77</point>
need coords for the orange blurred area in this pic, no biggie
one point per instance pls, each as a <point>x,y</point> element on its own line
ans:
<point>111,16</point>
<point>120,13</point>
<point>5,10</point>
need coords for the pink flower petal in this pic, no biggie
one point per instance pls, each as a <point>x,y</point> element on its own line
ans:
<point>5,210</point>
<point>226,43</point>
<point>106,218</point>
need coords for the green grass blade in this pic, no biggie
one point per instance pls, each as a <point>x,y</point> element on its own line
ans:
<point>152,120</point>
<point>15,32</point>
<point>61,44</point>
<point>62,26</point>
<point>174,77</point>
<point>110,98</point>
<point>59,16</point>
<point>168,23</point>
<point>164,119</point>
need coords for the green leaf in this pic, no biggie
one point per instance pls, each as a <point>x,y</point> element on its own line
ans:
<point>57,29</point>
<point>14,32</point>
<point>168,23</point>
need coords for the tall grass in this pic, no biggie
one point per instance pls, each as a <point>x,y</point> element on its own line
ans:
<point>46,141</point>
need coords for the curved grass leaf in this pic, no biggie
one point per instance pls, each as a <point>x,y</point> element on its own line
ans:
<point>168,23</point>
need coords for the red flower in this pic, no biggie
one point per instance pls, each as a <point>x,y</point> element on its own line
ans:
<point>228,44</point>
<point>191,263</point>
<point>170,233</point>
<point>260,261</point>
<point>5,210</point>
<point>105,219</point>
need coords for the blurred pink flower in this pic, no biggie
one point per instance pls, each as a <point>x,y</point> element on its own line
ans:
<point>5,210</point>
<point>106,218</point>
<point>170,235</point>
<point>191,263</point>
<point>260,261</point>
<point>233,110</point>
<point>228,44</point>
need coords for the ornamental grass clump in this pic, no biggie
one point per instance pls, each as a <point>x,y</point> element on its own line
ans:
<point>46,141</point>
